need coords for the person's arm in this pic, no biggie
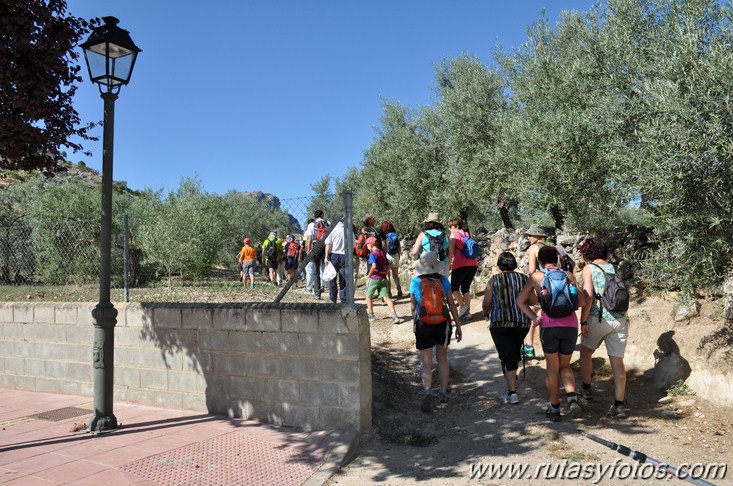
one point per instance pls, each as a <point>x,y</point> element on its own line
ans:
<point>453,310</point>
<point>524,297</point>
<point>416,247</point>
<point>329,245</point>
<point>372,269</point>
<point>451,250</point>
<point>488,297</point>
<point>532,259</point>
<point>413,305</point>
<point>588,293</point>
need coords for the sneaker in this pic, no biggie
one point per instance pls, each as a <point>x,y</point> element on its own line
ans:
<point>553,414</point>
<point>574,408</point>
<point>396,320</point>
<point>512,399</point>
<point>427,402</point>
<point>371,317</point>
<point>462,311</point>
<point>443,397</point>
<point>617,411</point>
<point>528,350</point>
<point>399,293</point>
<point>587,394</point>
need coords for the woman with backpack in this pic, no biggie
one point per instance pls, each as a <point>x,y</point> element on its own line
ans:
<point>598,324</point>
<point>434,239</point>
<point>508,325</point>
<point>393,249</point>
<point>559,298</point>
<point>463,266</point>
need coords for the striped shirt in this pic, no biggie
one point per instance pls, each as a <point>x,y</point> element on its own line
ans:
<point>505,288</point>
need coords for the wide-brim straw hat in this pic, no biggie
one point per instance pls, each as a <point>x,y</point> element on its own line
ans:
<point>536,230</point>
<point>433,218</point>
<point>429,264</point>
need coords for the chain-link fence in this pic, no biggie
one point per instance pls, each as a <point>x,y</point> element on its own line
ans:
<point>60,260</point>
<point>60,253</point>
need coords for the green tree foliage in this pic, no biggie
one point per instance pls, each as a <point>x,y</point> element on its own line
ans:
<point>37,84</point>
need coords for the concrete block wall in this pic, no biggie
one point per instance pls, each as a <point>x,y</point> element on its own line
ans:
<point>304,365</point>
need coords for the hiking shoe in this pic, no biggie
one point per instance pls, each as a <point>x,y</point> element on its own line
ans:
<point>574,408</point>
<point>587,394</point>
<point>396,320</point>
<point>553,414</point>
<point>371,317</point>
<point>443,397</point>
<point>512,399</point>
<point>528,350</point>
<point>399,293</point>
<point>617,411</point>
<point>462,310</point>
<point>427,403</point>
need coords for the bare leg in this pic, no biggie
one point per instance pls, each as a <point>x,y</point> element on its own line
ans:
<point>426,368</point>
<point>441,353</point>
<point>619,377</point>
<point>566,374</point>
<point>511,380</point>
<point>552,375</point>
<point>586,364</point>
<point>467,300</point>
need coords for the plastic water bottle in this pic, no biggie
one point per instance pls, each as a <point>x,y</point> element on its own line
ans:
<point>573,290</point>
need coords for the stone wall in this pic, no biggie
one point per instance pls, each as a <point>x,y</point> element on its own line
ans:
<point>303,365</point>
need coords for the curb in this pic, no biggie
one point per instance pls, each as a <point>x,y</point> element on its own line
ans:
<point>339,456</point>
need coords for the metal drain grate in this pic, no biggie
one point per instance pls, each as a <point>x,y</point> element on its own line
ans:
<point>232,458</point>
<point>60,414</point>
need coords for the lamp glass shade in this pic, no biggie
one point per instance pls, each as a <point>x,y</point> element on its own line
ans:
<point>110,54</point>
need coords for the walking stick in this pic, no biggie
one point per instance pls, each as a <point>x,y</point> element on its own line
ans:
<point>643,458</point>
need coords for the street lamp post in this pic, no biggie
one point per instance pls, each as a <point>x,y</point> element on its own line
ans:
<point>110,56</point>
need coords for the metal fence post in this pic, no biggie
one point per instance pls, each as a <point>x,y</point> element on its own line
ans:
<point>349,247</point>
<point>126,259</point>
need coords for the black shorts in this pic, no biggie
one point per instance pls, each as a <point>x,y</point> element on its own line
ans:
<point>271,264</point>
<point>461,278</point>
<point>429,335</point>
<point>291,263</point>
<point>558,339</point>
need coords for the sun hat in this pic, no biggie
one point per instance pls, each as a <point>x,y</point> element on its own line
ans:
<point>433,218</point>
<point>371,241</point>
<point>290,237</point>
<point>429,264</point>
<point>246,241</point>
<point>536,230</point>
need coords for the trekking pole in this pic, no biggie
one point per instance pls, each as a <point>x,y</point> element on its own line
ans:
<point>643,458</point>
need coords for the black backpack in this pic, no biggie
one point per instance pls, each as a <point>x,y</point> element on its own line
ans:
<point>615,297</point>
<point>271,251</point>
<point>436,244</point>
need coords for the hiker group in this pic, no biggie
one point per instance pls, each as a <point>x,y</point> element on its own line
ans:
<point>515,304</point>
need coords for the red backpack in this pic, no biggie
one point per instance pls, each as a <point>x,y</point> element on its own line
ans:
<point>432,308</point>
<point>292,250</point>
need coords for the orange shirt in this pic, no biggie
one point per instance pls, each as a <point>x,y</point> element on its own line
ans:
<point>247,254</point>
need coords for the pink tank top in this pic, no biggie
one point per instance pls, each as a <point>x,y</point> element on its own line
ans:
<point>567,321</point>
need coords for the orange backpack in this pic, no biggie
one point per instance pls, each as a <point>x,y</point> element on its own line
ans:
<point>432,303</point>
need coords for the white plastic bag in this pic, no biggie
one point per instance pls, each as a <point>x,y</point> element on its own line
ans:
<point>329,272</point>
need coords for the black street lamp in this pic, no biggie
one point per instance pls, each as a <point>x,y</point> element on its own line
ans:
<point>110,55</point>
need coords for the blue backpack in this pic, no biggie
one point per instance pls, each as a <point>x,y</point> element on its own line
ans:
<point>558,297</point>
<point>393,243</point>
<point>470,247</point>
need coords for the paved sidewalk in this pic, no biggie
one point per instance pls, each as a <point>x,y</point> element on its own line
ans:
<point>41,444</point>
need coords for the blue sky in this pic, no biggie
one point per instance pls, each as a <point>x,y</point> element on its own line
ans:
<point>272,95</point>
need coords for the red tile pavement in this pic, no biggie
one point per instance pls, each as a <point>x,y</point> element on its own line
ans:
<point>155,446</point>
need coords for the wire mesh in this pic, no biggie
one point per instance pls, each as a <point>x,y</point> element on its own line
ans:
<point>60,261</point>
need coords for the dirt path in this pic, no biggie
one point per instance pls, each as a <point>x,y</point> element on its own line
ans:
<point>477,428</point>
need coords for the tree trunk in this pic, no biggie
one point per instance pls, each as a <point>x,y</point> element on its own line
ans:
<point>506,220</point>
<point>557,215</point>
